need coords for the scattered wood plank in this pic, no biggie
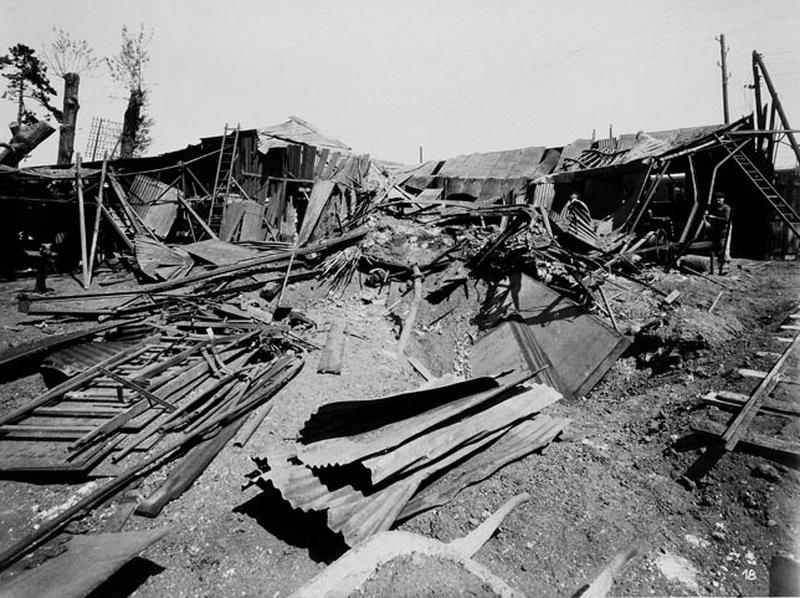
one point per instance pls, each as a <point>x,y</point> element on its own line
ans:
<point>88,561</point>
<point>749,411</point>
<point>715,301</point>
<point>332,356</point>
<point>735,400</point>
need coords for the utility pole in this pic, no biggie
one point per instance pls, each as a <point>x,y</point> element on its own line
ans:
<point>723,52</point>
<point>420,154</point>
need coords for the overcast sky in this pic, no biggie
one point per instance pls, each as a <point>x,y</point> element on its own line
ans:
<point>453,76</point>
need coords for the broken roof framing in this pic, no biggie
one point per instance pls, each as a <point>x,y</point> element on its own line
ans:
<point>628,182</point>
<point>269,177</point>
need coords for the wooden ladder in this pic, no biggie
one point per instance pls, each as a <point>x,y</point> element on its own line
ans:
<point>224,176</point>
<point>783,208</point>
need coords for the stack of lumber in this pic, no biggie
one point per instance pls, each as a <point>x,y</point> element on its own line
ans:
<point>366,463</point>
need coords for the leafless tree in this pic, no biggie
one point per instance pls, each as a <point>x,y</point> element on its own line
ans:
<point>69,59</point>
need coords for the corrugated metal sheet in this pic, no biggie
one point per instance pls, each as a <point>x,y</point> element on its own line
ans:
<point>523,439</point>
<point>583,153</point>
<point>348,418</point>
<point>576,220</point>
<point>155,202</point>
<point>436,443</point>
<point>509,164</point>
<point>359,513</point>
<point>485,176</point>
<point>347,449</point>
<point>159,261</point>
<point>543,194</point>
<point>296,131</point>
<point>73,360</point>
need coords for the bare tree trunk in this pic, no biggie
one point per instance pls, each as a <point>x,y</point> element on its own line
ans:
<point>130,125</point>
<point>23,140</point>
<point>66,141</point>
<point>20,102</point>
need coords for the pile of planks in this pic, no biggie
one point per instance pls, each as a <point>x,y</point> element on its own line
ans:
<point>173,389</point>
<point>367,464</point>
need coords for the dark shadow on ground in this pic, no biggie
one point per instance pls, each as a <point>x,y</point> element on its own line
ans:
<point>128,579</point>
<point>304,530</point>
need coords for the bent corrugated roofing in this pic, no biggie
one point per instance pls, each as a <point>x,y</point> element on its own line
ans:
<point>296,130</point>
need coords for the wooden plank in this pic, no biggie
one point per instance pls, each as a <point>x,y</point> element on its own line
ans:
<point>252,222</point>
<point>77,411</point>
<point>419,367</point>
<point>231,218</point>
<point>111,425</point>
<point>152,398</point>
<point>750,409</point>
<point>87,562</point>
<point>330,360</point>
<point>752,440</point>
<point>749,373</point>
<point>188,470</point>
<point>97,211</point>
<point>735,400</point>
<point>220,253</point>
<point>196,216</point>
<point>285,369</point>
<point>26,431</point>
<point>82,223</point>
<point>320,194</point>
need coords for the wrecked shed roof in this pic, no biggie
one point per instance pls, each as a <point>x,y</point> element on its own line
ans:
<point>296,130</point>
<point>485,175</point>
<point>507,164</point>
<point>583,154</point>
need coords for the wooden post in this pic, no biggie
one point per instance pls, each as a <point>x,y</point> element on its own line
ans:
<point>723,53</point>
<point>777,105</point>
<point>66,141</point>
<point>97,212</point>
<point>82,217</point>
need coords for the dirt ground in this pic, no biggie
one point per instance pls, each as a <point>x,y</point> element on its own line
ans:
<point>612,480</point>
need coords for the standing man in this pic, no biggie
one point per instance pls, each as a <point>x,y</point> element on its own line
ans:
<point>718,221</point>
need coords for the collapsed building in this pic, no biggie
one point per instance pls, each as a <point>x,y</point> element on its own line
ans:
<point>190,355</point>
<point>659,181</point>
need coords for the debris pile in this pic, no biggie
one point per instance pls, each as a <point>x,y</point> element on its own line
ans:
<point>366,464</point>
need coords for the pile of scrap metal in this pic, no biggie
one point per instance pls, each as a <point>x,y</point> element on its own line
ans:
<point>368,464</point>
